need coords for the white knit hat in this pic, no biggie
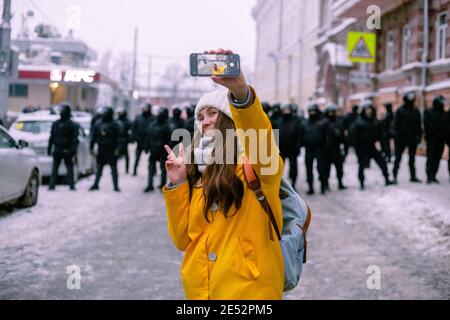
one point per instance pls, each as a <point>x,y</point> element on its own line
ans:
<point>217,99</point>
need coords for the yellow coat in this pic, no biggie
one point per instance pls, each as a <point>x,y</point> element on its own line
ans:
<point>231,258</point>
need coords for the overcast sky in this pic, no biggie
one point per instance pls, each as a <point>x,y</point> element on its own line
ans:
<point>168,29</point>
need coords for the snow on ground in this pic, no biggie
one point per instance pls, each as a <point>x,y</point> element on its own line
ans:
<point>121,243</point>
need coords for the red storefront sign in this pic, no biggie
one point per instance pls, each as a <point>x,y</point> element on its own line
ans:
<point>73,76</point>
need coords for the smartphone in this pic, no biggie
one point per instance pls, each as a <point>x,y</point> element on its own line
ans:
<point>206,65</point>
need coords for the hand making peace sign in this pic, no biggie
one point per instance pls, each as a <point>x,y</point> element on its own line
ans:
<point>175,166</point>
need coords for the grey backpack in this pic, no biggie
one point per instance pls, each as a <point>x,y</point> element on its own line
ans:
<point>296,220</point>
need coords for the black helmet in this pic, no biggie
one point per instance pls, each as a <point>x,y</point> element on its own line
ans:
<point>331,108</point>
<point>65,111</point>
<point>439,102</point>
<point>287,106</point>
<point>190,111</point>
<point>107,113</point>
<point>276,107</point>
<point>294,107</point>
<point>409,97</point>
<point>176,112</point>
<point>122,113</point>
<point>313,107</point>
<point>366,104</point>
<point>147,108</point>
<point>100,110</point>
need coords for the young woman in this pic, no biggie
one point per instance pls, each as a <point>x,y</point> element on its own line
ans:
<point>231,250</point>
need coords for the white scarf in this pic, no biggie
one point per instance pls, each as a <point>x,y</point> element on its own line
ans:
<point>203,153</point>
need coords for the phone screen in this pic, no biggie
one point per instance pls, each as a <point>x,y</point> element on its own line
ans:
<point>215,65</point>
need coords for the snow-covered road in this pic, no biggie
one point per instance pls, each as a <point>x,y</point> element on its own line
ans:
<point>121,245</point>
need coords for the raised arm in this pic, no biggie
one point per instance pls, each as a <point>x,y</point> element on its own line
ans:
<point>253,126</point>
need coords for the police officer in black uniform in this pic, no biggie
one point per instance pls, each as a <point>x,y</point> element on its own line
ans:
<point>349,120</point>
<point>434,121</point>
<point>291,135</point>
<point>334,142</point>
<point>106,134</point>
<point>407,134</point>
<point>158,135</point>
<point>175,123</point>
<point>276,115</point>
<point>125,136</point>
<point>189,124</point>
<point>447,136</point>
<point>140,128</point>
<point>63,144</point>
<point>365,132</point>
<point>386,126</point>
<point>313,140</point>
<point>96,118</point>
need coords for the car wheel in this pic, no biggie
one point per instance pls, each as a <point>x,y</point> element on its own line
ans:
<point>30,195</point>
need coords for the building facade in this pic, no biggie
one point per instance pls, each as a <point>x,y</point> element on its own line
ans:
<point>53,70</point>
<point>286,68</point>
<point>413,53</point>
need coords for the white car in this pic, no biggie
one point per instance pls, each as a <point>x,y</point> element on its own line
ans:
<point>19,172</point>
<point>35,128</point>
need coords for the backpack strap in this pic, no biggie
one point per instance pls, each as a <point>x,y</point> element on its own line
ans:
<point>305,230</point>
<point>255,184</point>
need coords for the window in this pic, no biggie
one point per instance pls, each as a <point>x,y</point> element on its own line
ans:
<point>406,35</point>
<point>18,90</point>
<point>441,35</point>
<point>35,127</point>
<point>6,141</point>
<point>389,51</point>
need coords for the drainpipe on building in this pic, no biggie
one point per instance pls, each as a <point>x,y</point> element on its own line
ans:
<point>335,87</point>
<point>426,35</point>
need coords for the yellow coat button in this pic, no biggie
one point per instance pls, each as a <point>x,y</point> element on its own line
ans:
<point>212,256</point>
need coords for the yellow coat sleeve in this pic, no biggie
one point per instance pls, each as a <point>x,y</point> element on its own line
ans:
<point>177,205</point>
<point>255,134</point>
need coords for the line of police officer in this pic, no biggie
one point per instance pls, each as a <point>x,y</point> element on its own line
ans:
<point>326,137</point>
<point>110,139</point>
<point>152,132</point>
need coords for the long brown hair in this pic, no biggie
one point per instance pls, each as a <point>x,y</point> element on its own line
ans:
<point>220,183</point>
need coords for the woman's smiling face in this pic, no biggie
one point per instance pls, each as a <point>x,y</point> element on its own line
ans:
<point>208,119</point>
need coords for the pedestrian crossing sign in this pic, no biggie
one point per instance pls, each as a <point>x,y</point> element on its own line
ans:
<point>361,47</point>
